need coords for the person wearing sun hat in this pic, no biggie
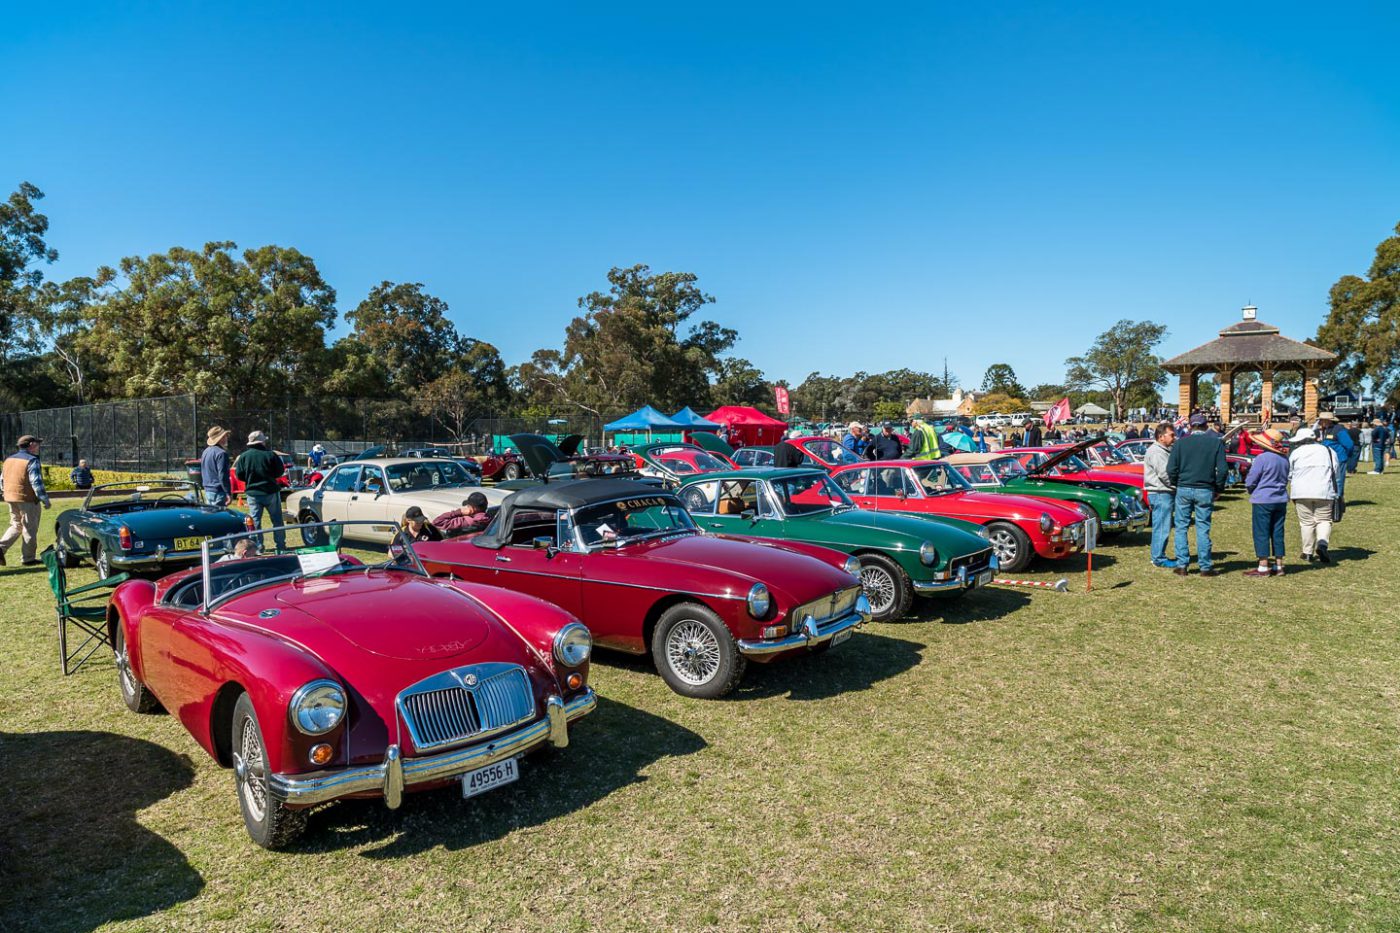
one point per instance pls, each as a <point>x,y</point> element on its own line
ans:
<point>1312,485</point>
<point>213,467</point>
<point>1267,483</point>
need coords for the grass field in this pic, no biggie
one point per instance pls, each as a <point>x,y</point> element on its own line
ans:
<point>1160,754</point>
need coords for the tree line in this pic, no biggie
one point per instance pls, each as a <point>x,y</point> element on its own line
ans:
<point>252,326</point>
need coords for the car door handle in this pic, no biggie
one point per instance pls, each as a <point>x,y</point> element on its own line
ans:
<point>502,559</point>
<point>716,524</point>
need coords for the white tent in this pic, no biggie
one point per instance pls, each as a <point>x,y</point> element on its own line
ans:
<point>1090,409</point>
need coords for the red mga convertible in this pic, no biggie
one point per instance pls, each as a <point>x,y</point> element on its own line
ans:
<point>315,677</point>
<point>627,559</point>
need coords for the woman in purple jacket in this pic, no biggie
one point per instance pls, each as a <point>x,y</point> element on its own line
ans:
<point>1267,483</point>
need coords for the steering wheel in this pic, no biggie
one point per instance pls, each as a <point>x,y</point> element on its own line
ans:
<point>172,495</point>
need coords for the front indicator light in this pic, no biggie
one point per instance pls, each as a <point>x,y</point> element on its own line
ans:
<point>321,754</point>
<point>774,631</point>
<point>574,680</point>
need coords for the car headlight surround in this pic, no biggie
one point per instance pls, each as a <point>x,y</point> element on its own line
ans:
<point>1047,524</point>
<point>317,707</point>
<point>573,644</point>
<point>928,554</point>
<point>760,601</point>
<point>852,566</point>
<point>984,533</point>
<point>1113,500</point>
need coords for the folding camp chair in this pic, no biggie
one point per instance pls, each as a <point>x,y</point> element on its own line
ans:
<point>84,608</point>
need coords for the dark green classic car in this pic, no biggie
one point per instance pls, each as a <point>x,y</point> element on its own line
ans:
<point>1117,505</point>
<point>151,525</point>
<point>901,556</point>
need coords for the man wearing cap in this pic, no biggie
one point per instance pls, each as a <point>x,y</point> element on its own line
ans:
<point>417,527</point>
<point>259,468</point>
<point>213,467</point>
<point>1334,438</point>
<point>1380,445</point>
<point>468,520</point>
<point>22,482</point>
<point>885,446</point>
<point>856,439</point>
<point>1197,468</point>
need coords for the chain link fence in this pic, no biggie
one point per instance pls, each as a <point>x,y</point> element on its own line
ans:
<point>157,435</point>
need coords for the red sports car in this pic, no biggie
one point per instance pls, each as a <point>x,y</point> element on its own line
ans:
<point>315,677</point>
<point>674,462</point>
<point>1019,527</point>
<point>503,466</point>
<point>629,560</point>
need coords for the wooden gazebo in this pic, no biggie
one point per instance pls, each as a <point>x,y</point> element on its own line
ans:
<point>1250,346</point>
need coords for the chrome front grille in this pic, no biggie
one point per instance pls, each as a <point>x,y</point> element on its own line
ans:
<point>466,703</point>
<point>823,610</point>
<point>975,562</point>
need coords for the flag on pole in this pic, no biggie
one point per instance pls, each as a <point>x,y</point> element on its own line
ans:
<point>781,395</point>
<point>1058,412</point>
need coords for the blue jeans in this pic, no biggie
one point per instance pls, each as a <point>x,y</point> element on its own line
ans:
<point>1378,457</point>
<point>1163,504</point>
<point>216,497</point>
<point>1354,459</point>
<point>271,503</point>
<point>1198,502</point>
<point>1269,519</point>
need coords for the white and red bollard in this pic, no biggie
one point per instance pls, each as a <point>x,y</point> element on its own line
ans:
<point>1059,586</point>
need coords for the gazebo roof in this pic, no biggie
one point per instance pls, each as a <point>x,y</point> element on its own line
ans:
<point>1251,342</point>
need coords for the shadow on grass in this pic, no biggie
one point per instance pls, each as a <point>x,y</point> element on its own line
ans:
<point>72,855</point>
<point>607,751</point>
<point>980,605</point>
<point>865,659</point>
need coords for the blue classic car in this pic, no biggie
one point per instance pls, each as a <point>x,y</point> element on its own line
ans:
<point>155,525</point>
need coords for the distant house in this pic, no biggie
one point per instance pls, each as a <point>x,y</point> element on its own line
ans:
<point>960,404</point>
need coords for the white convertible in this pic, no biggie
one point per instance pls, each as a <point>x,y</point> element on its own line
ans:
<point>382,489</point>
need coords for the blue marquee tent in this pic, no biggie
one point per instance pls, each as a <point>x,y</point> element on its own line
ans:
<point>693,421</point>
<point>645,418</point>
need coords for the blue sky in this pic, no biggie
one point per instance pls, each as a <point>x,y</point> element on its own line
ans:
<point>860,186</point>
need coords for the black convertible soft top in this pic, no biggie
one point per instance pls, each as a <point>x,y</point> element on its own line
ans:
<point>569,494</point>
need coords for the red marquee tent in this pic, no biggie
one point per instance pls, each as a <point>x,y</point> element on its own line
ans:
<point>749,426</point>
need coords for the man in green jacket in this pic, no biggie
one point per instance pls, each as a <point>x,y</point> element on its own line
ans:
<point>258,468</point>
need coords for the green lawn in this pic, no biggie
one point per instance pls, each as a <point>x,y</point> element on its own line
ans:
<point>1160,754</point>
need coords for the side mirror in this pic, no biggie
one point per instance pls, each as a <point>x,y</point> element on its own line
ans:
<point>545,544</point>
<point>901,495</point>
<point>749,515</point>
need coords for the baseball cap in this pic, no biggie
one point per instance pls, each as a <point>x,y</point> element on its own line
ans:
<point>1198,419</point>
<point>414,512</point>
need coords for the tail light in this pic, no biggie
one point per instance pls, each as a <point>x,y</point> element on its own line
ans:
<point>124,538</point>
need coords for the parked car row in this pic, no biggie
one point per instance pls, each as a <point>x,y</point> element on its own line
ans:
<point>314,673</point>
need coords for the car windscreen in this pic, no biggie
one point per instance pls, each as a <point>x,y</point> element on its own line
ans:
<point>430,474</point>
<point>626,520</point>
<point>935,479</point>
<point>809,494</point>
<point>1008,468</point>
<point>832,452</point>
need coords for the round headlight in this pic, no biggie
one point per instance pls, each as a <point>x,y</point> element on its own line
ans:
<point>983,533</point>
<point>1113,500</point>
<point>1047,524</point>
<point>573,645</point>
<point>928,554</point>
<point>853,566</point>
<point>759,601</point>
<point>318,707</point>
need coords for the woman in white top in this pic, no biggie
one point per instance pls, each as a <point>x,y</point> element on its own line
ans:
<point>1312,485</point>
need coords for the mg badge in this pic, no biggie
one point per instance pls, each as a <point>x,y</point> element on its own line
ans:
<point>469,680</point>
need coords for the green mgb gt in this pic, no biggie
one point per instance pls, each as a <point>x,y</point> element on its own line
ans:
<point>901,556</point>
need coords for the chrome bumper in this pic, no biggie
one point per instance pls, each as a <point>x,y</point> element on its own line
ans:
<point>395,773</point>
<point>811,634</point>
<point>158,559</point>
<point>1131,523</point>
<point>961,581</point>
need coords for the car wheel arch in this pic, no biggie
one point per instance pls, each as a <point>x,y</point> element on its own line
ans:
<point>221,721</point>
<point>666,602</point>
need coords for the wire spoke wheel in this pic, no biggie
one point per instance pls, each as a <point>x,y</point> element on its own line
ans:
<point>692,652</point>
<point>879,588</point>
<point>254,769</point>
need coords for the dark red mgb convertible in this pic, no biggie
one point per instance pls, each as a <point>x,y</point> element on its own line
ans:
<point>628,560</point>
<point>316,677</point>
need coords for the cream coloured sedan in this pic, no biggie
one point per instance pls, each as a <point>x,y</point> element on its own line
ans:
<point>382,489</point>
